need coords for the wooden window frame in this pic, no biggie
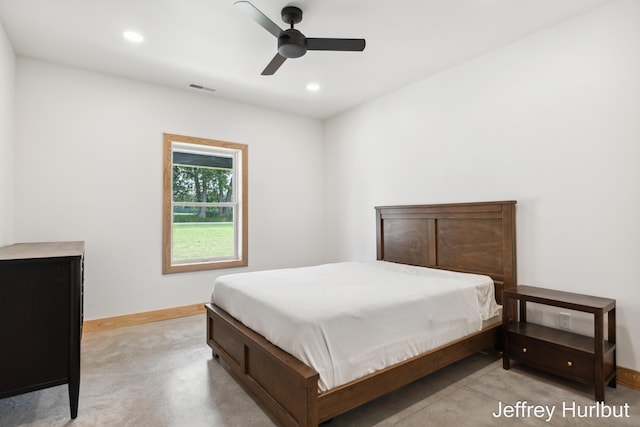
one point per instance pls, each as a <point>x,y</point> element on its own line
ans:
<point>167,211</point>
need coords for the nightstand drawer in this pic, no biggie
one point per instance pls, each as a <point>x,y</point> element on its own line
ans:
<point>551,357</point>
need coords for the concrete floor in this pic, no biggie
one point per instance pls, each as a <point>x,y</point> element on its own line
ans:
<point>162,374</point>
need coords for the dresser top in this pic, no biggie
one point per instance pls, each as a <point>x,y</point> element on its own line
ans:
<point>41,250</point>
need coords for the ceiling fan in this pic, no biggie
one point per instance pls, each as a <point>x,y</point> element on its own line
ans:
<point>291,42</point>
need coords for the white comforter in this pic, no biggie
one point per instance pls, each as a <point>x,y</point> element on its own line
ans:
<point>347,320</point>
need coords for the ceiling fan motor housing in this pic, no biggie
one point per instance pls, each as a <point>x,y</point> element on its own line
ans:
<point>292,43</point>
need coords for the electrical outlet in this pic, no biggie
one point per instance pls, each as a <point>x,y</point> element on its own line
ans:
<point>565,320</point>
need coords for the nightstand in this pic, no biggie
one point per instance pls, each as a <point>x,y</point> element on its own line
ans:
<point>588,360</point>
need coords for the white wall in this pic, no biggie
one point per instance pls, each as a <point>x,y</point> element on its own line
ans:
<point>7,109</point>
<point>552,121</point>
<point>90,154</point>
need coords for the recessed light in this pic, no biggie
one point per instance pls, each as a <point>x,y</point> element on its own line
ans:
<point>313,87</point>
<point>133,36</point>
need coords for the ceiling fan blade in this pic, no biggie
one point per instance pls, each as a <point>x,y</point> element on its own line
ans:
<point>252,12</point>
<point>335,44</point>
<point>273,66</point>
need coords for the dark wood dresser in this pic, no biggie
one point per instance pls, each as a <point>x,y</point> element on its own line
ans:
<point>41,297</point>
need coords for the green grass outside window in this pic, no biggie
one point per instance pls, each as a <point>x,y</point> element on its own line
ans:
<point>195,241</point>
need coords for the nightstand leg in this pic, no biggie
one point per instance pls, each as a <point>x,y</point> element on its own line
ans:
<point>508,311</point>
<point>611,337</point>
<point>599,354</point>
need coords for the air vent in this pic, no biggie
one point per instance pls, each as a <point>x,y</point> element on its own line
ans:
<point>200,87</point>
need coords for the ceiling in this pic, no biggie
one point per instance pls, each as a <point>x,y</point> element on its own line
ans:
<point>212,43</point>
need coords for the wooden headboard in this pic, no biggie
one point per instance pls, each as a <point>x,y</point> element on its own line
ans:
<point>468,237</point>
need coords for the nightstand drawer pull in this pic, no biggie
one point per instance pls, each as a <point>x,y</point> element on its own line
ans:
<point>524,349</point>
<point>569,363</point>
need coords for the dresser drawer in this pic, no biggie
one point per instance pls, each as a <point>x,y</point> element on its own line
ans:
<point>551,357</point>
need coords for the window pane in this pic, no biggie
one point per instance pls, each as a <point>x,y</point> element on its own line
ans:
<point>202,233</point>
<point>200,184</point>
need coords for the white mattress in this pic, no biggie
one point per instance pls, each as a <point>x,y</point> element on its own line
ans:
<point>347,320</point>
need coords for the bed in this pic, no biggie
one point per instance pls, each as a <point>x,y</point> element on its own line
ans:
<point>476,238</point>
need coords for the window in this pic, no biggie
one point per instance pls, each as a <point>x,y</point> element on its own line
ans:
<point>204,204</point>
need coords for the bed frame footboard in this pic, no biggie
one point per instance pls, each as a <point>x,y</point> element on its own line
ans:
<point>286,386</point>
